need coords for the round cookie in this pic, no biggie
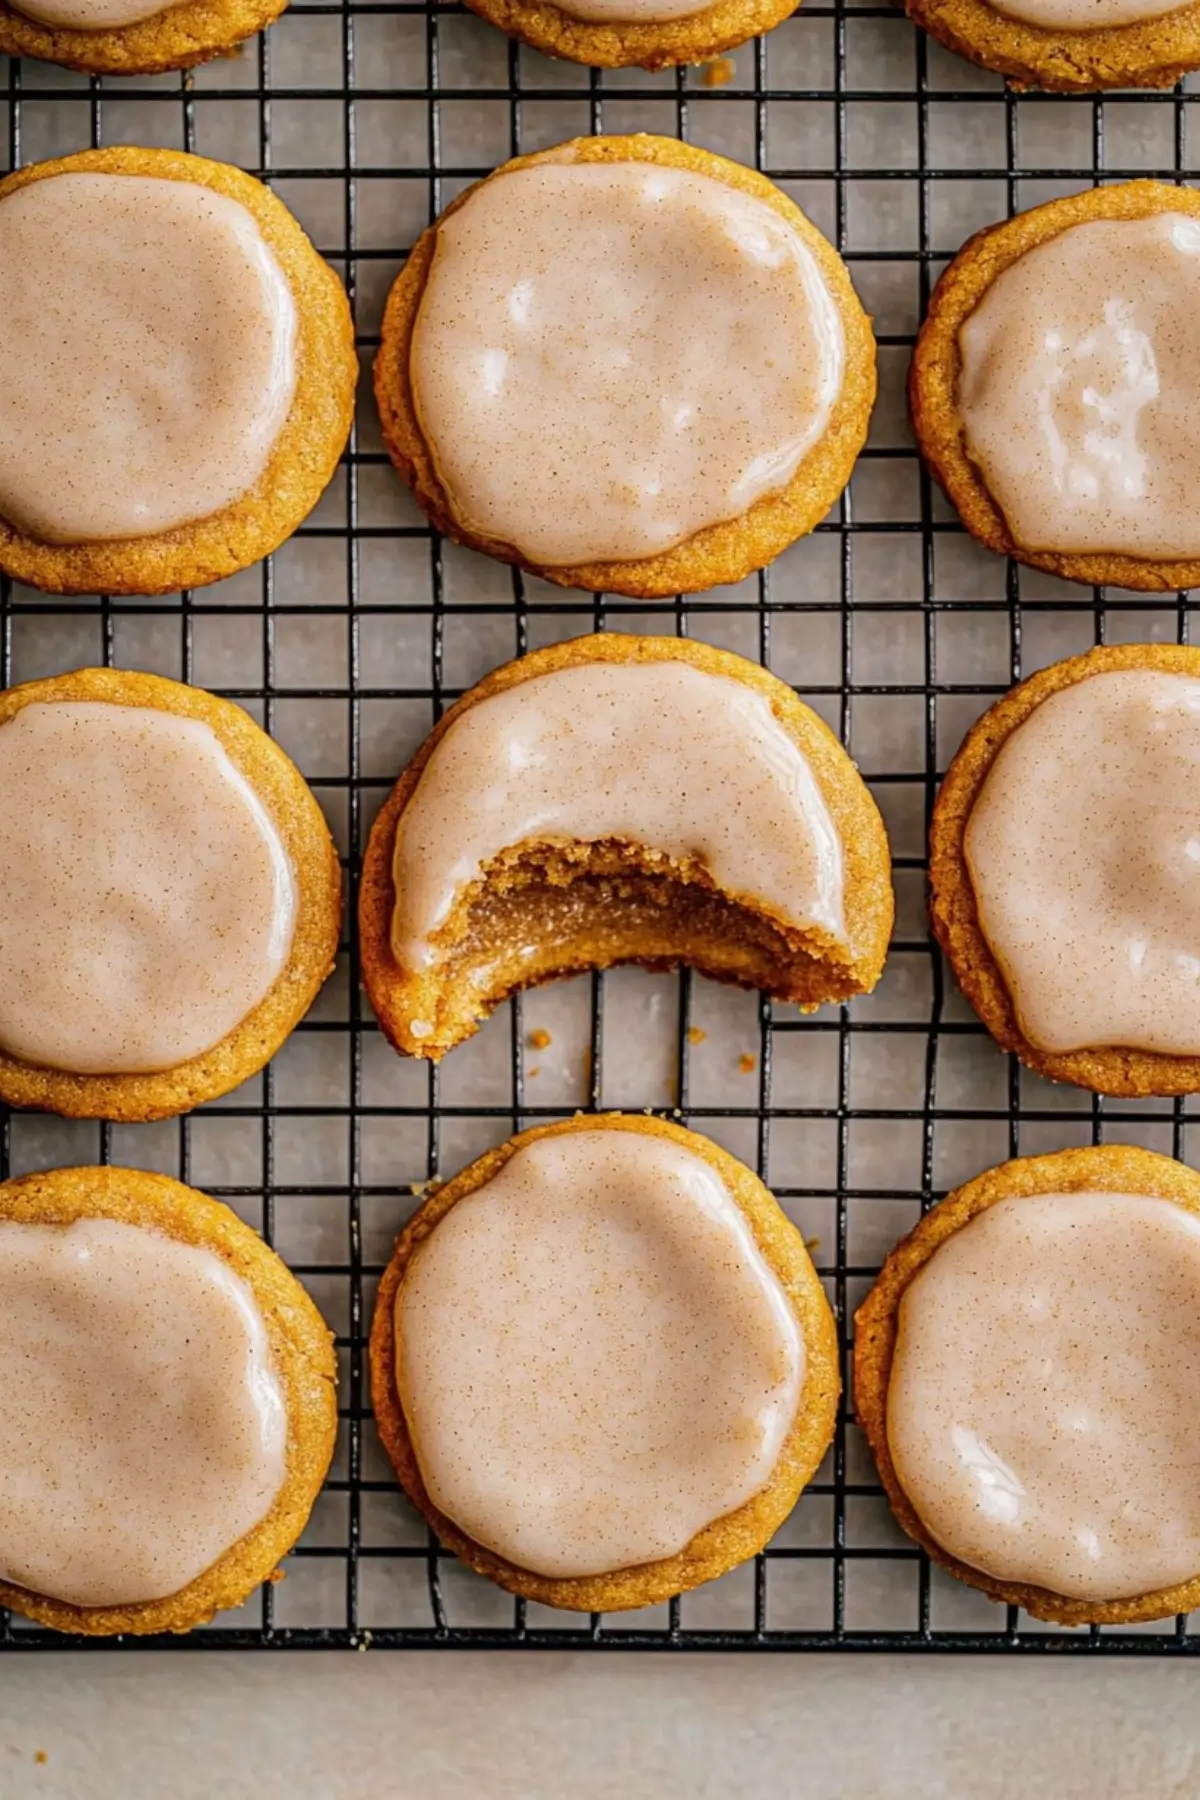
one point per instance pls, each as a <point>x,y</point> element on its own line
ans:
<point>955,914</point>
<point>302,1354</point>
<point>641,43</point>
<point>301,826</point>
<point>637,905</point>
<point>1146,53</point>
<point>176,38</point>
<point>727,1541</point>
<point>718,554</point>
<point>305,452</point>
<point>1108,1168</point>
<point>937,364</point>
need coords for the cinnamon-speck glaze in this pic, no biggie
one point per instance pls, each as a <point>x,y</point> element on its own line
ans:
<point>1079,385</point>
<point>1083,850</point>
<point>633,12</point>
<point>610,357</point>
<point>92,15</point>
<point>147,902</point>
<point>143,1429</point>
<point>147,360</point>
<point>594,1357</point>
<point>1041,1408</point>
<point>658,753</point>
<point>1083,15</point>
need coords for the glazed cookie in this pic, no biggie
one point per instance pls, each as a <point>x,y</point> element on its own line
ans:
<point>177,372</point>
<point>1064,870</point>
<point>1025,1370</point>
<point>612,800</point>
<point>627,365</point>
<point>168,1407</point>
<point>648,34</point>
<point>1055,386</point>
<point>170,897</point>
<point>1070,46</point>
<point>603,1364</point>
<point>130,37</point>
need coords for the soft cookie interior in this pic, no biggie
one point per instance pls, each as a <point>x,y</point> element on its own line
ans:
<point>620,800</point>
<point>542,911</point>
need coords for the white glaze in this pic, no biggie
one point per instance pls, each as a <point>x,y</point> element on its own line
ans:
<point>1083,15</point>
<point>143,1429</point>
<point>594,1357</point>
<point>633,12</point>
<point>147,902</point>
<point>1083,849</point>
<point>1041,1410</point>
<point>610,357</point>
<point>1080,385</point>
<point>92,15</point>
<point>147,362</point>
<point>660,754</point>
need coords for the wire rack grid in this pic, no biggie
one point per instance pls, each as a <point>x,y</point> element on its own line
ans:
<point>366,119</point>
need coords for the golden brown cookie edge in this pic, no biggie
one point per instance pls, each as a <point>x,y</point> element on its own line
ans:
<point>726,1542</point>
<point>1112,1168</point>
<point>1150,53</point>
<point>301,1349</point>
<point>301,825</point>
<point>955,917</point>
<point>721,554</point>
<point>623,44</point>
<point>936,365</point>
<point>176,39</point>
<point>305,453</point>
<point>398,998</point>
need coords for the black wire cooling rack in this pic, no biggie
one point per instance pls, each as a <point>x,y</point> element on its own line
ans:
<point>348,643</point>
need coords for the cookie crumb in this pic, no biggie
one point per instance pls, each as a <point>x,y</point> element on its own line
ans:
<point>696,1034</point>
<point>41,1756</point>
<point>536,1070</point>
<point>717,73</point>
<point>540,1040</point>
<point>747,1063</point>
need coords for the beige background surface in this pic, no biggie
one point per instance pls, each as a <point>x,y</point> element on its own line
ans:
<point>342,1727</point>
